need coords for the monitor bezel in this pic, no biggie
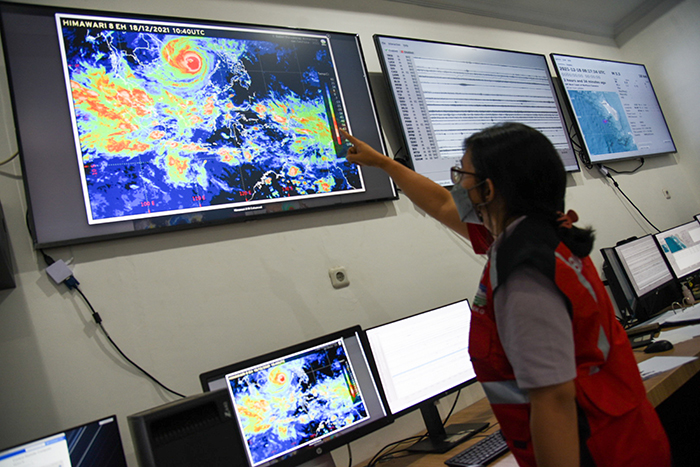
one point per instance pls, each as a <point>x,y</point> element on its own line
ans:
<point>312,451</point>
<point>382,187</point>
<point>396,106</point>
<point>621,283</point>
<point>608,158</point>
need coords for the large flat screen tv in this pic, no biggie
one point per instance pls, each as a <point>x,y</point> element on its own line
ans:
<point>615,108</point>
<point>131,124</point>
<point>444,93</point>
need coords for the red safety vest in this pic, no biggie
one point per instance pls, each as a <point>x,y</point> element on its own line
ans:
<point>617,424</point>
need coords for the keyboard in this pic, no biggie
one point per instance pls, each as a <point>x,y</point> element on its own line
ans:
<point>481,453</point>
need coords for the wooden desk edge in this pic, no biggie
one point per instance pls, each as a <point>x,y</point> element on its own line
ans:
<point>659,388</point>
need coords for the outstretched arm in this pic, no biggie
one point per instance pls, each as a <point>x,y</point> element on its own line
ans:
<point>423,192</point>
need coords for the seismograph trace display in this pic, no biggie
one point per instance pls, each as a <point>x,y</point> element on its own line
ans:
<point>173,119</point>
<point>295,401</point>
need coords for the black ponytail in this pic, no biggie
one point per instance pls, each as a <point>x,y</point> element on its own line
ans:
<point>529,175</point>
<point>579,241</point>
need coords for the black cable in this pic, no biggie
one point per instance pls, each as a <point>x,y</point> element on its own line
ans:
<point>98,321</point>
<point>349,456</point>
<point>620,172</point>
<point>607,174</point>
<point>381,456</point>
<point>6,161</point>
<point>72,284</point>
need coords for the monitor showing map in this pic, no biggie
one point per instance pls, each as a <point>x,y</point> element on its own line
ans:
<point>300,402</point>
<point>132,124</point>
<point>681,247</point>
<point>444,93</point>
<point>614,107</point>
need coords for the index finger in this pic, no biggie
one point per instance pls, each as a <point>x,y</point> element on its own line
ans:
<point>348,136</point>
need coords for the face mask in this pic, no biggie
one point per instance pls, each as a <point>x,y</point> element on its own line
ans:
<point>465,207</point>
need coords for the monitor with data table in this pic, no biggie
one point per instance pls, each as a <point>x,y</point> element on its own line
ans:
<point>648,274</point>
<point>445,92</point>
<point>421,359</point>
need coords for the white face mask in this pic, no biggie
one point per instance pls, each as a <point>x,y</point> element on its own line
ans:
<point>466,209</point>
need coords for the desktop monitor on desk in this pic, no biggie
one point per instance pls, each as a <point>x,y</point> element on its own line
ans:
<point>681,247</point>
<point>421,359</point>
<point>298,403</point>
<point>93,444</point>
<point>643,268</point>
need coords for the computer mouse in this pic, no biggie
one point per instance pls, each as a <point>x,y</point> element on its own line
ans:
<point>658,346</point>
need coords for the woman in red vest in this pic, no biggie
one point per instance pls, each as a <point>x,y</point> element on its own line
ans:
<point>553,360</point>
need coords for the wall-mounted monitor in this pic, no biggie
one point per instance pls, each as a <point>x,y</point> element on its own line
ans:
<point>444,93</point>
<point>681,247</point>
<point>614,107</point>
<point>300,402</point>
<point>91,444</point>
<point>421,359</point>
<point>131,124</point>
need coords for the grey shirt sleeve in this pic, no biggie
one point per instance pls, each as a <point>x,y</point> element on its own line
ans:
<point>535,329</point>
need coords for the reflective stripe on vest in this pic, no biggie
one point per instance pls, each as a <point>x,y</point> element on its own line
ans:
<point>577,267</point>
<point>505,392</point>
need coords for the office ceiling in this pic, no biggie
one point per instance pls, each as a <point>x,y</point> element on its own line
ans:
<point>604,18</point>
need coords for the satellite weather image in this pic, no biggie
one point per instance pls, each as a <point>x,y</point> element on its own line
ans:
<point>172,118</point>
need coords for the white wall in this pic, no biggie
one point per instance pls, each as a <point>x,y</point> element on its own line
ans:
<point>183,303</point>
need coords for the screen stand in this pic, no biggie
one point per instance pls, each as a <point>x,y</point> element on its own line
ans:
<point>442,439</point>
<point>325,460</point>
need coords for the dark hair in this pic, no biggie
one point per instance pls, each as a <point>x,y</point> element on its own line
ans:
<point>528,174</point>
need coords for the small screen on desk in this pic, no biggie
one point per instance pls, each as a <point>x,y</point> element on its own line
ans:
<point>644,264</point>
<point>423,356</point>
<point>681,246</point>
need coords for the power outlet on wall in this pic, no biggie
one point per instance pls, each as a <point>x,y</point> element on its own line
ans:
<point>339,277</point>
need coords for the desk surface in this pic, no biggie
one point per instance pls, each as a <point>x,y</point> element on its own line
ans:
<point>659,388</point>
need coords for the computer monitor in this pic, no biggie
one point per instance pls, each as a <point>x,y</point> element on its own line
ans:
<point>300,402</point>
<point>93,444</point>
<point>650,277</point>
<point>681,247</point>
<point>132,124</point>
<point>445,92</point>
<point>421,359</point>
<point>615,108</point>
<point>620,286</point>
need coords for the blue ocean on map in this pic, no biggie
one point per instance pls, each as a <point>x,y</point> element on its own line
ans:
<point>297,401</point>
<point>603,122</point>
